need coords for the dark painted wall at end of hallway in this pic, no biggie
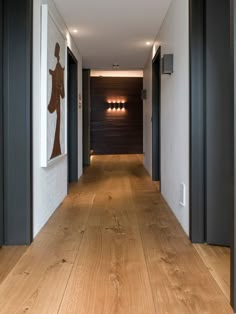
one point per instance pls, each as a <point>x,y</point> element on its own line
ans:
<point>116,132</point>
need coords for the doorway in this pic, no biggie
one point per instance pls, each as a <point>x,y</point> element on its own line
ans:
<point>72,123</point>
<point>211,124</point>
<point>156,117</point>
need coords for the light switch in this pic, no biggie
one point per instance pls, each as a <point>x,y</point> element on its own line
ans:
<point>183,195</point>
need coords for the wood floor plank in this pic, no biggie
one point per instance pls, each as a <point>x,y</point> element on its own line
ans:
<point>217,260</point>
<point>112,247</point>
<point>181,283</point>
<point>110,275</point>
<point>9,257</point>
<point>37,283</point>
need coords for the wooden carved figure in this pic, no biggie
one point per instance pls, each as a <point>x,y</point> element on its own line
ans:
<point>58,93</point>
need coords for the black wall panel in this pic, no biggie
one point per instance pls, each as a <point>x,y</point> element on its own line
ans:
<point>86,117</point>
<point>156,117</point>
<point>116,132</point>
<point>17,122</point>
<point>72,118</point>
<point>197,118</point>
<point>1,123</point>
<point>219,124</point>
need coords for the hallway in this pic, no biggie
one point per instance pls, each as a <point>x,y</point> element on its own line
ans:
<point>113,246</point>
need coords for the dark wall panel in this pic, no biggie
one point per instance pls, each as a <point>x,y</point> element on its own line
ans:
<point>72,118</point>
<point>116,132</point>
<point>156,115</point>
<point>17,122</point>
<point>219,122</point>
<point>1,123</point>
<point>197,121</point>
<point>86,117</point>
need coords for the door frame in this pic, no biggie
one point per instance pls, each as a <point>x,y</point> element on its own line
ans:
<point>233,95</point>
<point>156,116</point>
<point>72,119</point>
<point>1,125</point>
<point>197,121</point>
<point>197,129</point>
<point>86,116</point>
<point>17,120</point>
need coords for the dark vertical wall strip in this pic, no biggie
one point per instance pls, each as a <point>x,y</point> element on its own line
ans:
<point>219,122</point>
<point>156,114</point>
<point>197,121</point>
<point>119,132</point>
<point>1,123</point>
<point>86,117</point>
<point>17,121</point>
<point>233,100</point>
<point>72,118</point>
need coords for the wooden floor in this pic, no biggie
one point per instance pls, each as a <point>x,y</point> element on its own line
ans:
<point>217,260</point>
<point>113,247</point>
<point>9,257</point>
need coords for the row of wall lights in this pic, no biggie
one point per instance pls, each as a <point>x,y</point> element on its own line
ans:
<point>116,105</point>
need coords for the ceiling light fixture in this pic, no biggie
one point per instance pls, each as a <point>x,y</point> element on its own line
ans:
<point>75,31</point>
<point>148,43</point>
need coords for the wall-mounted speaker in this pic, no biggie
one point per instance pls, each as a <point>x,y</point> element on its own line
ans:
<point>168,64</point>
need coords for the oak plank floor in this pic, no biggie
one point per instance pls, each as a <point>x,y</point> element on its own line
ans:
<point>9,256</point>
<point>217,260</point>
<point>112,247</point>
<point>37,283</point>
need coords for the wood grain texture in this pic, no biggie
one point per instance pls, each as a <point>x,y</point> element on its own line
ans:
<point>119,132</point>
<point>113,247</point>
<point>9,256</point>
<point>217,260</point>
<point>38,282</point>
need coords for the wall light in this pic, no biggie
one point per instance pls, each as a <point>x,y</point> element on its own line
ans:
<point>116,105</point>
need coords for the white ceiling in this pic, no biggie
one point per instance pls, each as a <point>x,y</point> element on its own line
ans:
<point>113,31</point>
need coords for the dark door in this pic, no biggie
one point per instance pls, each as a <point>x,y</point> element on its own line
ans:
<point>86,117</point>
<point>1,123</point>
<point>72,118</point>
<point>219,124</point>
<point>156,119</point>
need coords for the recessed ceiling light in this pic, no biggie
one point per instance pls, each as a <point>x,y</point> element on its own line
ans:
<point>75,31</point>
<point>148,43</point>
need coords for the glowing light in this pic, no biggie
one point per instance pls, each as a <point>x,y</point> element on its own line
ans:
<point>148,43</point>
<point>116,105</point>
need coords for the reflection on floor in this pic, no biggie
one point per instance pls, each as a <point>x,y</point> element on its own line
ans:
<point>112,247</point>
<point>217,260</point>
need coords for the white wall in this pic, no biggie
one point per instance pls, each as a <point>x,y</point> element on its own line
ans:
<point>49,184</point>
<point>173,38</point>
